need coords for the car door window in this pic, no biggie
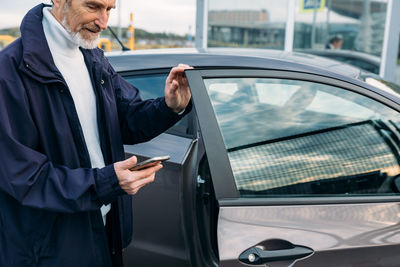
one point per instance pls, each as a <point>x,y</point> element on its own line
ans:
<point>300,138</point>
<point>152,86</point>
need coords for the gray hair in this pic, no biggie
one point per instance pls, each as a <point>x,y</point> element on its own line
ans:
<point>53,2</point>
<point>336,38</point>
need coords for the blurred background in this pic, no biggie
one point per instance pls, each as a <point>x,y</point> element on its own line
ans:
<point>369,30</point>
<point>156,23</point>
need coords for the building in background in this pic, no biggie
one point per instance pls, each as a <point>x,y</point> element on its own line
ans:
<point>309,24</point>
<point>360,22</point>
<point>244,28</point>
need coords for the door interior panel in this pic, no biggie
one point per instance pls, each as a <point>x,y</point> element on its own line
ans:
<point>158,236</point>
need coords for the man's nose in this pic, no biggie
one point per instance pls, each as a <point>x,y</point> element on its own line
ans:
<point>102,20</point>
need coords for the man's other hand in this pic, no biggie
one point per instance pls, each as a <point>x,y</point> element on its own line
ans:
<point>177,93</point>
<point>132,181</point>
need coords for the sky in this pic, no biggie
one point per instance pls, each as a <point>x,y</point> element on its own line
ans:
<point>171,16</point>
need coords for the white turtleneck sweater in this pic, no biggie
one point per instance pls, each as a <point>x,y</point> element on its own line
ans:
<point>70,62</point>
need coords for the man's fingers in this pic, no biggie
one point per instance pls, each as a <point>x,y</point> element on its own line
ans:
<point>138,179</point>
<point>126,164</point>
<point>175,73</point>
<point>177,93</point>
<point>180,69</point>
<point>132,188</point>
<point>178,74</point>
<point>134,176</point>
<point>148,171</point>
<point>184,66</point>
<point>174,85</point>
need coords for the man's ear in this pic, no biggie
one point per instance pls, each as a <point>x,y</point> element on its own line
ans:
<point>59,3</point>
<point>56,2</point>
<point>57,9</point>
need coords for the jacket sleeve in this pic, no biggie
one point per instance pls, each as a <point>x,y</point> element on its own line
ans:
<point>140,120</point>
<point>30,177</point>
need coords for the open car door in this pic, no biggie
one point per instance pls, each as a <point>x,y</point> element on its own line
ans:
<point>305,168</point>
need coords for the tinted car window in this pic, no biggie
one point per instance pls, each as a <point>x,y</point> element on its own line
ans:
<point>152,86</point>
<point>290,137</point>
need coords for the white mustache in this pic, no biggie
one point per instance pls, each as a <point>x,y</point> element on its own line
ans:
<point>95,29</point>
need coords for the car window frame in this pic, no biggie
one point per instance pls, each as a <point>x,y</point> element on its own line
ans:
<point>221,172</point>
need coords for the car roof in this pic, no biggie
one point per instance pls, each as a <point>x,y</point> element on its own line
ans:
<point>229,58</point>
<point>374,60</point>
<point>164,59</point>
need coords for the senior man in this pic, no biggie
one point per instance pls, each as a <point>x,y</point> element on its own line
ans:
<point>64,116</point>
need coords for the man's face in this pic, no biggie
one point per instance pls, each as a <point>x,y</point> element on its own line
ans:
<point>338,44</point>
<point>83,19</point>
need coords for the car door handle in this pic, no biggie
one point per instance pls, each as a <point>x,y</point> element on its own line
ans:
<point>258,255</point>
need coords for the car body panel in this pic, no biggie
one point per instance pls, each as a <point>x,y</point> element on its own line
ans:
<point>327,229</point>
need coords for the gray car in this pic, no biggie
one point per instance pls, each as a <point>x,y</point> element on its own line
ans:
<point>280,163</point>
<point>367,62</point>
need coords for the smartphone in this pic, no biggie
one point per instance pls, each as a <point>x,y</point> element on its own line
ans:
<point>149,163</point>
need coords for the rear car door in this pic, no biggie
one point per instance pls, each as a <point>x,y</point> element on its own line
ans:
<point>305,168</point>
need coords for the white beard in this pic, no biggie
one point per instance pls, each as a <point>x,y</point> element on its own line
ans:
<point>78,39</point>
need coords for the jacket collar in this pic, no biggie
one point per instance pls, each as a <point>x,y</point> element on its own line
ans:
<point>37,60</point>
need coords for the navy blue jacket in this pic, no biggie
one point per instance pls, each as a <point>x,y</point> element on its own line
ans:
<point>50,197</point>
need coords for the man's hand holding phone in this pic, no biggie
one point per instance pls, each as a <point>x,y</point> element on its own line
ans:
<point>131,179</point>
<point>149,163</point>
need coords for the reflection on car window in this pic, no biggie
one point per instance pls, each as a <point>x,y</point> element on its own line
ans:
<point>389,87</point>
<point>275,94</point>
<point>279,94</point>
<point>223,88</point>
<point>290,137</point>
<point>328,103</point>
